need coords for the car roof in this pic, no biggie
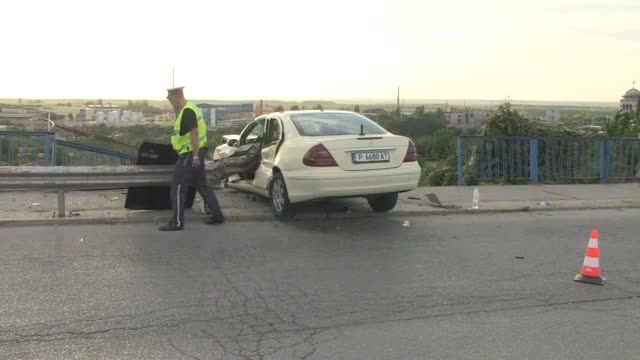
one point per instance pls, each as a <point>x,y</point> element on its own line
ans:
<point>295,112</point>
<point>289,112</point>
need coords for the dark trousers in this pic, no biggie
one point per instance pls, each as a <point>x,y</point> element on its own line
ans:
<point>186,175</point>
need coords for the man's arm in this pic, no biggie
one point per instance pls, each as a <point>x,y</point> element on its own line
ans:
<point>195,142</point>
<point>190,125</point>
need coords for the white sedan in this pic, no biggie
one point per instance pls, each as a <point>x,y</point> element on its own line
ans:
<point>310,155</point>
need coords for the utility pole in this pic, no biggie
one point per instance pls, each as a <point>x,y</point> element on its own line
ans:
<point>398,104</point>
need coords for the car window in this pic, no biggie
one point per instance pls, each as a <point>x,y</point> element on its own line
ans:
<point>274,132</point>
<point>328,124</point>
<point>253,133</point>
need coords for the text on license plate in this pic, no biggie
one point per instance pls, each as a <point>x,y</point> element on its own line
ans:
<point>372,156</point>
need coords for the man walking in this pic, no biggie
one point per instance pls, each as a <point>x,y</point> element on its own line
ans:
<point>189,140</point>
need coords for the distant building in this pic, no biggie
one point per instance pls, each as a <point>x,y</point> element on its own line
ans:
<point>466,118</point>
<point>216,114</point>
<point>131,117</point>
<point>629,101</point>
<point>113,116</point>
<point>14,113</point>
<point>82,114</point>
<point>552,116</point>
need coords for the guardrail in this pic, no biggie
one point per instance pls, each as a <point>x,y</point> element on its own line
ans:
<point>73,178</point>
<point>64,178</point>
<point>547,159</point>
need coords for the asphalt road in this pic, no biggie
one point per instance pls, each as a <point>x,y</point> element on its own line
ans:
<point>457,287</point>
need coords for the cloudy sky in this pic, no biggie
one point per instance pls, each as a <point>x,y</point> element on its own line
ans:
<point>575,50</point>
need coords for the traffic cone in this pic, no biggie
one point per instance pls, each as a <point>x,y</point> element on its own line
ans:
<point>591,266</point>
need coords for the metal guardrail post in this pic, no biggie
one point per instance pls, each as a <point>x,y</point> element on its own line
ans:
<point>47,144</point>
<point>533,160</point>
<point>54,150</point>
<point>608,160</point>
<point>603,162</point>
<point>460,161</point>
<point>61,209</point>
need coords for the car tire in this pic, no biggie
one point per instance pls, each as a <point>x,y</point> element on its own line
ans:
<point>383,203</point>
<point>279,195</point>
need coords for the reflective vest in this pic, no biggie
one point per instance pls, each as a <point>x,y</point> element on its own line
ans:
<point>182,143</point>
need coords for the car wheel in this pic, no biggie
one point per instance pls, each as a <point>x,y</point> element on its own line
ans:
<point>282,208</point>
<point>383,203</point>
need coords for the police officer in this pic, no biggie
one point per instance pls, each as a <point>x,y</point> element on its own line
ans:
<point>189,140</point>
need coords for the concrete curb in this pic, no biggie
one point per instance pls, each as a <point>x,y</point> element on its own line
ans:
<point>157,219</point>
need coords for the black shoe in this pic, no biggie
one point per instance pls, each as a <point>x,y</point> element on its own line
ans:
<point>171,227</point>
<point>215,221</point>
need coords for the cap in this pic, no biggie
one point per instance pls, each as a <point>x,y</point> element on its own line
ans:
<point>176,90</point>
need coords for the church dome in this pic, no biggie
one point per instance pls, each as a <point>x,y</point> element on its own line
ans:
<point>632,93</point>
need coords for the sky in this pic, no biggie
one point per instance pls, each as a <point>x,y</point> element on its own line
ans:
<point>562,50</point>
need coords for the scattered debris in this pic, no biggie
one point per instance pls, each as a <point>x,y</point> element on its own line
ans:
<point>35,204</point>
<point>346,209</point>
<point>543,204</point>
<point>115,198</point>
<point>434,199</point>
<point>406,223</point>
<point>413,198</point>
<point>435,202</point>
<point>73,213</point>
<point>81,240</point>
<point>519,257</point>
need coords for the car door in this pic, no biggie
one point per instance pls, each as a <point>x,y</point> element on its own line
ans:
<point>252,134</point>
<point>272,138</point>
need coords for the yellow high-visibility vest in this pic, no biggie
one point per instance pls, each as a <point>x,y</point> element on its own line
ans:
<point>182,143</point>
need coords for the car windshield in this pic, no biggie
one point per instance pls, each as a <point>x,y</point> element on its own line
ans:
<point>329,124</point>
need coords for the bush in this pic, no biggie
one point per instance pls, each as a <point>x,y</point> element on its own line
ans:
<point>440,173</point>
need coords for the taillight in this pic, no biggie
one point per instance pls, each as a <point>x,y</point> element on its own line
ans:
<point>412,153</point>
<point>318,156</point>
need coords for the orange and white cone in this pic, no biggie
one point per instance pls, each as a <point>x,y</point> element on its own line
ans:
<point>591,266</point>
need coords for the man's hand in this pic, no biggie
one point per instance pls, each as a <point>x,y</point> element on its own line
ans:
<point>196,147</point>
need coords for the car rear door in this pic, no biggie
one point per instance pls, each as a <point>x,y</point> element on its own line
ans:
<point>273,136</point>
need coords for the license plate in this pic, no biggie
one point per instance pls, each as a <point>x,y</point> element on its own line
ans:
<point>369,157</point>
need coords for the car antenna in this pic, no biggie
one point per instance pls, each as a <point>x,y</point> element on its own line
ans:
<point>361,130</point>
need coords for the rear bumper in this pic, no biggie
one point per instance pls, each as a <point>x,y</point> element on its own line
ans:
<point>311,184</point>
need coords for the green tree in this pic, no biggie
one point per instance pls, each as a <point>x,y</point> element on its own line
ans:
<point>295,108</point>
<point>443,143</point>
<point>356,108</point>
<point>506,121</point>
<point>317,107</point>
<point>419,110</point>
<point>625,123</point>
<point>279,108</point>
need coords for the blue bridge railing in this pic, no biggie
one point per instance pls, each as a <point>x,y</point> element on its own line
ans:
<point>547,159</point>
<point>30,148</point>
<point>33,148</point>
<point>74,154</point>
